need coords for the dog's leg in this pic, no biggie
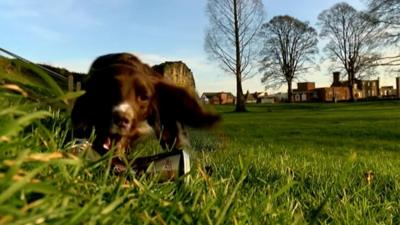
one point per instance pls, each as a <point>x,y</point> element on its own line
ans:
<point>174,136</point>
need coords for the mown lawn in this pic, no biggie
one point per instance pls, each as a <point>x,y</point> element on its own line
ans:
<point>337,128</point>
<point>276,164</point>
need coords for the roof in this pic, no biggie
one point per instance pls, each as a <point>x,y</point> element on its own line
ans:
<point>359,83</point>
<point>213,94</point>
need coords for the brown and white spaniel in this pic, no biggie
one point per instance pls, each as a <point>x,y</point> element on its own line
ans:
<point>125,100</point>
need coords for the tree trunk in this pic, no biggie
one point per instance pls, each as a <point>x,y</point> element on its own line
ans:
<point>240,99</point>
<point>240,102</point>
<point>351,86</point>
<point>290,92</point>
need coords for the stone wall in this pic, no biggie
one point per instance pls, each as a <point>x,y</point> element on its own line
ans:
<point>178,72</point>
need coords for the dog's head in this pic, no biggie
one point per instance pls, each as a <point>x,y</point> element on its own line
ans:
<point>125,99</point>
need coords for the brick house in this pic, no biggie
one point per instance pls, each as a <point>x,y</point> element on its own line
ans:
<point>338,91</point>
<point>362,88</point>
<point>331,94</point>
<point>218,98</point>
<point>255,97</point>
<point>388,92</point>
<point>304,92</point>
<point>370,88</point>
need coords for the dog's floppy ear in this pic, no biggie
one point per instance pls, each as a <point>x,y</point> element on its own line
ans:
<point>88,108</point>
<point>176,103</point>
<point>81,117</point>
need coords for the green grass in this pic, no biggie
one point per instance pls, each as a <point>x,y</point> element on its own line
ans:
<point>359,127</point>
<point>277,164</point>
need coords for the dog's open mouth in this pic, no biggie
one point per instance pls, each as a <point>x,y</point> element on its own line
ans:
<point>112,140</point>
<point>118,139</point>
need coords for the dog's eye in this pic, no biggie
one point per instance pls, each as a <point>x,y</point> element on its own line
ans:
<point>144,97</point>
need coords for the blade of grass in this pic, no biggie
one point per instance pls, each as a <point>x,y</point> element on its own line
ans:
<point>221,216</point>
<point>5,195</point>
<point>51,83</point>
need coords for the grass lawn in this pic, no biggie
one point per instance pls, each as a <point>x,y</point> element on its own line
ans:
<point>276,164</point>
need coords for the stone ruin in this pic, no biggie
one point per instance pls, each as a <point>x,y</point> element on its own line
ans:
<point>178,72</point>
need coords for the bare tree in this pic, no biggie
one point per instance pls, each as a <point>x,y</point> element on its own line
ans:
<point>231,36</point>
<point>288,49</point>
<point>387,12</point>
<point>354,41</point>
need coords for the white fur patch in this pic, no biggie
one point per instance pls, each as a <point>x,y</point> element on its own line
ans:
<point>124,107</point>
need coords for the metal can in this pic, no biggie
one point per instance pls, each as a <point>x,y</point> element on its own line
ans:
<point>165,166</point>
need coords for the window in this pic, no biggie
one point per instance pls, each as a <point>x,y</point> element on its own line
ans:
<point>373,93</point>
<point>304,97</point>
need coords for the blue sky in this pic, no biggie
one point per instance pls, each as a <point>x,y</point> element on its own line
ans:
<point>72,33</point>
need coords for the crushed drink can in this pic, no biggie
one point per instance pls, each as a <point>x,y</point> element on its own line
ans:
<point>166,166</point>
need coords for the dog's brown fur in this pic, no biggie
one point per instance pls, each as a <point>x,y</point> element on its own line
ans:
<point>149,102</point>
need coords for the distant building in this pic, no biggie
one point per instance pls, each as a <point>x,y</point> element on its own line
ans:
<point>305,86</point>
<point>251,97</point>
<point>263,97</point>
<point>256,97</point>
<point>279,97</point>
<point>362,88</point>
<point>370,88</point>
<point>218,98</point>
<point>304,91</point>
<point>268,100</point>
<point>339,90</point>
<point>307,92</point>
<point>388,92</point>
<point>330,94</point>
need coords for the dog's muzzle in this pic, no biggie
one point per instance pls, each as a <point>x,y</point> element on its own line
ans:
<point>122,119</point>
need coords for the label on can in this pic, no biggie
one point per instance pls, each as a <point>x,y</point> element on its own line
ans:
<point>167,168</point>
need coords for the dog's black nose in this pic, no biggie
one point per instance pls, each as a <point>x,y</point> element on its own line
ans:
<point>121,119</point>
